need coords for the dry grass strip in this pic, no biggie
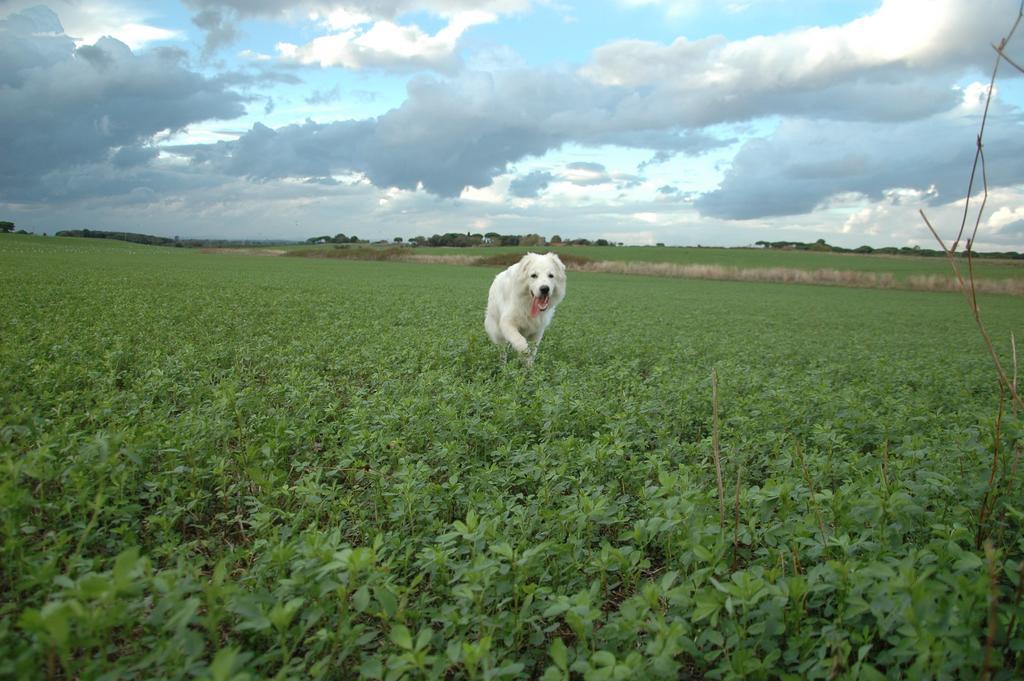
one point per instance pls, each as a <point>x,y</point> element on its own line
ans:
<point>773,275</point>
<point>786,275</point>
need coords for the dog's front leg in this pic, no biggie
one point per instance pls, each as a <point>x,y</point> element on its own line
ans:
<point>514,338</point>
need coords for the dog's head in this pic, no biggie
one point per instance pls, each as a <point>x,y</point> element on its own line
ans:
<point>544,276</point>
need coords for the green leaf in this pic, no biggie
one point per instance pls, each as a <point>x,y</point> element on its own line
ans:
<point>223,663</point>
<point>559,654</point>
<point>423,638</point>
<point>968,562</point>
<point>361,598</point>
<point>56,619</point>
<point>387,600</point>
<point>707,605</point>
<point>281,614</point>
<point>555,609</point>
<point>401,637</point>
<point>124,566</point>
<point>371,668</point>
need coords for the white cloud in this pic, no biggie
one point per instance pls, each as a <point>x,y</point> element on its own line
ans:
<point>631,238</point>
<point>86,23</point>
<point>975,95</point>
<point>901,33</point>
<point>1005,215</point>
<point>346,18</point>
<point>250,55</point>
<point>674,8</point>
<point>383,43</point>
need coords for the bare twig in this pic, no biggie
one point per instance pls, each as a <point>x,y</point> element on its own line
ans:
<point>736,522</point>
<point>993,603</point>
<point>1009,61</point>
<point>715,449</point>
<point>1013,384</point>
<point>978,156</point>
<point>810,486</point>
<point>885,465</point>
<point>983,513</point>
<point>969,287</point>
<point>1011,627</point>
<point>797,566</point>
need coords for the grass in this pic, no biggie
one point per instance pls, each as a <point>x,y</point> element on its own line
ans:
<point>218,466</point>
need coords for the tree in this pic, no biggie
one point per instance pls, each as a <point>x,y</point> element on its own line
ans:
<point>398,239</point>
<point>556,239</point>
<point>6,227</point>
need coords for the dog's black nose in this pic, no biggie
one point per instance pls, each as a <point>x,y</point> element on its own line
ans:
<point>544,290</point>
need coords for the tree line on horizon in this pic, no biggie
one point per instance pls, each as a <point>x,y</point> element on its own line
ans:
<point>465,240</point>
<point>176,242</point>
<point>821,246</point>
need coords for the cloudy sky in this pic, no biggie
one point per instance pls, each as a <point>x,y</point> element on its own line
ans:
<point>679,121</point>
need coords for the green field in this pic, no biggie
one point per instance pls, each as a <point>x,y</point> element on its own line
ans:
<point>227,467</point>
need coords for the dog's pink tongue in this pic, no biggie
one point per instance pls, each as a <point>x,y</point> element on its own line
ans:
<point>535,307</point>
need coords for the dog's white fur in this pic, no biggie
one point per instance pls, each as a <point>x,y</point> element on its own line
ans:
<point>512,297</point>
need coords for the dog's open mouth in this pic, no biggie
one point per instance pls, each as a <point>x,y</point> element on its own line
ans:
<point>539,305</point>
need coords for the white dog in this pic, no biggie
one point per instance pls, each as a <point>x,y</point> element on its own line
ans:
<point>522,302</point>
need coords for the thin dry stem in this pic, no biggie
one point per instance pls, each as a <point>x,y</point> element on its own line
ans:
<point>983,513</point>
<point>968,289</point>
<point>978,155</point>
<point>993,604</point>
<point>715,450</point>
<point>814,500</point>
<point>736,521</point>
<point>1012,626</point>
<point>1013,348</point>
<point>885,464</point>
<point>1009,61</point>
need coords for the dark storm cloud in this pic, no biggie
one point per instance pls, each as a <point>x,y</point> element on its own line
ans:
<point>1012,233</point>
<point>446,136</point>
<point>805,162</point>
<point>220,29</point>
<point>63,107</point>
<point>862,126</point>
<point>530,186</point>
<point>587,174</point>
<point>128,157</point>
<point>324,96</point>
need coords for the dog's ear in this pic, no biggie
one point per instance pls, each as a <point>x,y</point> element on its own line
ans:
<point>558,263</point>
<point>524,264</point>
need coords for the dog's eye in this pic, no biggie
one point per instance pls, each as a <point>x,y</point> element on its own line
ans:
<point>533,276</point>
<point>551,276</point>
